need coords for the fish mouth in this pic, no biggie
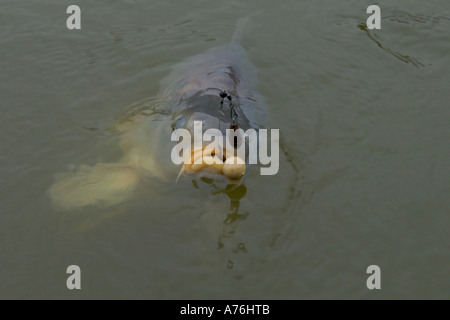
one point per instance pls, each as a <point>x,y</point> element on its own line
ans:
<point>208,161</point>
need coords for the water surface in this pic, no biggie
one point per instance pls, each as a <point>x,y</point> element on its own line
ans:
<point>364,176</point>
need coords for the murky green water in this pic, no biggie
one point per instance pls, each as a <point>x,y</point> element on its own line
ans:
<point>364,177</point>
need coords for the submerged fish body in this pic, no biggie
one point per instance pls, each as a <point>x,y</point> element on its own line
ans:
<point>191,92</point>
<point>224,68</point>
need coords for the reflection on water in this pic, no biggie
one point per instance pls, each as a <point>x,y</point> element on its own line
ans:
<point>235,193</point>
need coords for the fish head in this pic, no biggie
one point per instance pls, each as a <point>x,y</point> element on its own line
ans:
<point>216,146</point>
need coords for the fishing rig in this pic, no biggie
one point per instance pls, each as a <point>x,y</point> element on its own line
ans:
<point>233,114</point>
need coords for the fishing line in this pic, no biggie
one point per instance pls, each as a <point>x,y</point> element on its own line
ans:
<point>233,114</point>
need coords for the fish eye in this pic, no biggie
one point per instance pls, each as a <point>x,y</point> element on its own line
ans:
<point>179,123</point>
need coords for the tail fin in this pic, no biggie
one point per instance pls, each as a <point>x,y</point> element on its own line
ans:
<point>241,24</point>
<point>101,185</point>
